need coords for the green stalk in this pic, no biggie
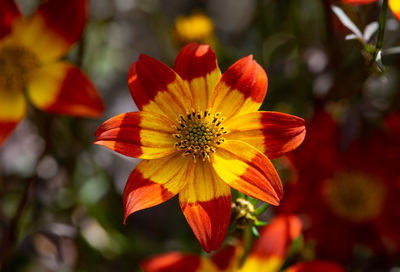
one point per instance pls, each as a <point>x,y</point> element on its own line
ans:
<point>381,31</point>
<point>382,25</point>
<point>247,242</point>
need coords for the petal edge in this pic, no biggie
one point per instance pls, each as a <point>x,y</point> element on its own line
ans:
<point>246,169</point>
<point>157,88</point>
<point>273,133</point>
<point>153,182</point>
<point>206,203</point>
<point>242,88</point>
<point>62,88</point>
<point>197,65</point>
<point>142,135</point>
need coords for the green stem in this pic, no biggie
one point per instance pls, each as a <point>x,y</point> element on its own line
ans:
<point>247,242</point>
<point>382,25</point>
<point>381,30</point>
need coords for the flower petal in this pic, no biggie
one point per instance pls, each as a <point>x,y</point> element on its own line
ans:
<point>358,2</point>
<point>395,7</point>
<point>269,252</point>
<point>9,11</point>
<point>277,237</point>
<point>272,133</point>
<point>54,24</point>
<point>153,182</point>
<point>246,169</point>
<point>62,88</point>
<point>392,122</point>
<point>171,262</point>
<point>157,88</point>
<point>320,147</point>
<point>142,135</point>
<point>12,111</point>
<point>261,265</point>
<point>206,204</point>
<point>227,258</point>
<point>241,89</point>
<point>316,266</point>
<point>197,66</point>
<point>176,262</point>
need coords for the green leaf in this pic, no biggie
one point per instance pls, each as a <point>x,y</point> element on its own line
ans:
<point>253,201</point>
<point>260,223</point>
<point>240,195</point>
<point>262,209</point>
<point>296,246</point>
<point>255,232</point>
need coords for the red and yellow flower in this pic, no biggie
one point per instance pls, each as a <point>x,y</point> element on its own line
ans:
<point>393,4</point>
<point>30,52</point>
<point>199,134</point>
<point>347,195</point>
<point>267,255</point>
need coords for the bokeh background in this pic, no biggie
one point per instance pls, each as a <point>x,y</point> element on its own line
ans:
<point>73,217</point>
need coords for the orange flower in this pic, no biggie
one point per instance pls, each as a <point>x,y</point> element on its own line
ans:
<point>267,255</point>
<point>393,4</point>
<point>30,52</point>
<point>199,134</point>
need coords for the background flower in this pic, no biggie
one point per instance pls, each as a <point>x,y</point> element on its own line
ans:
<point>267,254</point>
<point>197,27</point>
<point>346,192</point>
<point>72,219</point>
<point>30,52</point>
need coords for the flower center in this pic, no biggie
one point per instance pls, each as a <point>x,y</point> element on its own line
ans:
<point>16,66</point>
<point>355,196</point>
<point>199,133</point>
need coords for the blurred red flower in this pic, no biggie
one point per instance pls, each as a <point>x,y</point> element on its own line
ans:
<point>30,60</point>
<point>267,255</point>
<point>348,196</point>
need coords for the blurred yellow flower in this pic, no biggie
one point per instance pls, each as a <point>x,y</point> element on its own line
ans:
<point>197,27</point>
